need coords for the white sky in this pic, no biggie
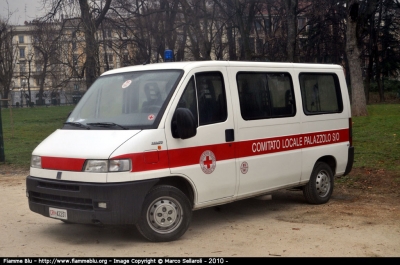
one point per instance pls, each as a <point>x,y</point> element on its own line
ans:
<point>22,10</point>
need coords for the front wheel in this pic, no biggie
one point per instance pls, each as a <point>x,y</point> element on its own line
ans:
<point>166,214</point>
<point>320,187</point>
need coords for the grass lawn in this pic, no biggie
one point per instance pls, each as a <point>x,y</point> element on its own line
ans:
<point>30,127</point>
<point>376,137</point>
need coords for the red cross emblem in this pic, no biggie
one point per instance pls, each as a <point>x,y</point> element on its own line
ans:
<point>151,117</point>
<point>208,162</point>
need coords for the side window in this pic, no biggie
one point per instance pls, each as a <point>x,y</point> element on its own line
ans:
<point>320,93</point>
<point>211,98</point>
<point>265,95</point>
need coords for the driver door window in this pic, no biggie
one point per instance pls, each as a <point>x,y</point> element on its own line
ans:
<point>205,97</point>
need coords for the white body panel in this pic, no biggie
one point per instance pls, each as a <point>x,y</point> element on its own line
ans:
<point>87,144</point>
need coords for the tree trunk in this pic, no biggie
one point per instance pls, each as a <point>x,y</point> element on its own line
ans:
<point>91,49</point>
<point>231,42</point>
<point>359,105</point>
<point>291,20</point>
<point>368,75</point>
<point>90,45</point>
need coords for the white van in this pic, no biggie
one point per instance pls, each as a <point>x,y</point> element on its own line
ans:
<point>148,144</point>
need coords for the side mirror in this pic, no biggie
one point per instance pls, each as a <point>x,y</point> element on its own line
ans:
<point>183,124</point>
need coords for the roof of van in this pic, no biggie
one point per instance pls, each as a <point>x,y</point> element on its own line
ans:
<point>195,64</point>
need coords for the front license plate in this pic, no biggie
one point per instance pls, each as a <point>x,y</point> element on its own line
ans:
<point>58,213</point>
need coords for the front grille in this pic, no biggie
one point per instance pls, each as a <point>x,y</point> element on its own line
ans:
<point>56,186</point>
<point>61,201</point>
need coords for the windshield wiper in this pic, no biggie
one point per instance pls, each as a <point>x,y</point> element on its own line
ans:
<point>77,124</point>
<point>106,124</point>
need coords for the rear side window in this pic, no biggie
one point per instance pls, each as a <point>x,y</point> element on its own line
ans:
<point>265,95</point>
<point>321,93</point>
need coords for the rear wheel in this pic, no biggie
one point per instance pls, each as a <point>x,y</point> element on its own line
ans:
<point>320,187</point>
<point>166,214</point>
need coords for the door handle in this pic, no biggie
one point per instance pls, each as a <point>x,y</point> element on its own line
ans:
<point>229,135</point>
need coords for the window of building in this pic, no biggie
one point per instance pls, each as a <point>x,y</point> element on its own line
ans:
<point>108,58</point>
<point>21,52</point>
<point>320,93</point>
<point>22,68</point>
<point>267,25</point>
<point>37,53</point>
<point>251,45</point>
<point>125,59</point>
<point>301,23</point>
<point>21,39</point>
<point>265,95</point>
<point>124,33</point>
<point>109,33</point>
<point>38,81</point>
<point>259,46</point>
<point>258,25</point>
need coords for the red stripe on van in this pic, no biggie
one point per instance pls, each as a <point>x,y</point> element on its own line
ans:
<point>140,161</point>
<point>191,156</point>
<point>155,160</point>
<point>61,163</point>
<point>291,142</point>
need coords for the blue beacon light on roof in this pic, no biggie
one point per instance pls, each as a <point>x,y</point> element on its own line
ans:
<point>168,56</point>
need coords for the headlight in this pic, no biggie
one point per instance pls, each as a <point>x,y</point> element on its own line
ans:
<point>36,161</point>
<point>119,165</point>
<point>96,166</point>
<point>103,166</point>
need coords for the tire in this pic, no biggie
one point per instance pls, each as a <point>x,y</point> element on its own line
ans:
<point>320,187</point>
<point>166,214</point>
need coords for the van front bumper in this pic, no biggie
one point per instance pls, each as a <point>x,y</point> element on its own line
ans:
<point>88,203</point>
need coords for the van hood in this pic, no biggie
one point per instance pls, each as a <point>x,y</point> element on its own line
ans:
<point>86,144</point>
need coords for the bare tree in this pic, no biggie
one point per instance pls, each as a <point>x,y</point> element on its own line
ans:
<point>358,12</point>
<point>199,23</point>
<point>291,28</point>
<point>8,55</point>
<point>46,37</point>
<point>322,32</point>
<point>91,14</point>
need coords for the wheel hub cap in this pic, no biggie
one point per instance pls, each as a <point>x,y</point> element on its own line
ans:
<point>164,215</point>
<point>323,184</point>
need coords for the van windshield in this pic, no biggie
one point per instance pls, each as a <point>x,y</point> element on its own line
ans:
<point>132,100</point>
